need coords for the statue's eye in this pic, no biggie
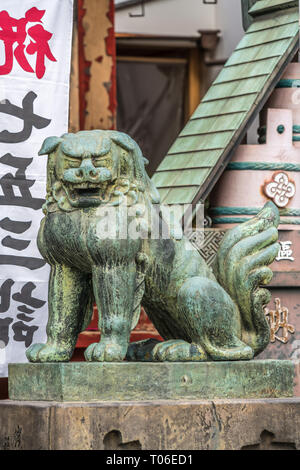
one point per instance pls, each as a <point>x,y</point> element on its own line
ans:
<point>101,161</point>
<point>73,162</point>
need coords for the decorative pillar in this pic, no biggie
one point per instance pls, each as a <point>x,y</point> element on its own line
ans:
<point>97,64</point>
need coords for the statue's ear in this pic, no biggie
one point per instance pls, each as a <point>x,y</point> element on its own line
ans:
<point>49,145</point>
<point>123,140</point>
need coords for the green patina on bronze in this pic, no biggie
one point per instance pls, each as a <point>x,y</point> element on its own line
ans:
<point>202,315</point>
<point>126,381</point>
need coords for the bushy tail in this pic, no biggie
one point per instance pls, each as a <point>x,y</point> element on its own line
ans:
<point>241,268</point>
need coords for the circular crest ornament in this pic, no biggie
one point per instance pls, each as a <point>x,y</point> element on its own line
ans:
<point>280,189</point>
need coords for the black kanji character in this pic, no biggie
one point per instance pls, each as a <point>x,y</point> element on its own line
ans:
<point>4,329</point>
<point>5,291</point>
<point>26,114</point>
<point>23,332</point>
<point>14,226</point>
<point>20,227</point>
<point>25,296</point>
<point>15,244</point>
<point>8,181</point>
<point>23,317</point>
<point>23,261</point>
<point>24,309</point>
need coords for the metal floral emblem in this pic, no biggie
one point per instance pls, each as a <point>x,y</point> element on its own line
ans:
<point>281,189</point>
<point>278,319</point>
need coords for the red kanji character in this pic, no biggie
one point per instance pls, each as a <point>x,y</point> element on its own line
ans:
<point>9,38</point>
<point>40,47</point>
<point>13,32</point>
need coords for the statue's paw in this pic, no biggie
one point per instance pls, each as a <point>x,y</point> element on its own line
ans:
<point>178,351</point>
<point>32,352</point>
<point>105,352</point>
<point>48,353</point>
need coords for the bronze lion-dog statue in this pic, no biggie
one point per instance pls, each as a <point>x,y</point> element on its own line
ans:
<point>202,314</point>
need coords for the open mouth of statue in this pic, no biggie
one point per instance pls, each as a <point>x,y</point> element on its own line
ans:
<point>85,190</point>
<point>84,194</point>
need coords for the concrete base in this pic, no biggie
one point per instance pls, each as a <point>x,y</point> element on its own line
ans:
<point>157,425</point>
<point>87,382</point>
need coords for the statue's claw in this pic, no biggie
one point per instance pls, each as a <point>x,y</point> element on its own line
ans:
<point>178,350</point>
<point>48,353</point>
<point>104,352</point>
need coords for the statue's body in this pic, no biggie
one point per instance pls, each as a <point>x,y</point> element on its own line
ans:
<point>201,315</point>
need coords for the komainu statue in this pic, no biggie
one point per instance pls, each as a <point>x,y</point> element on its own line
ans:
<point>98,198</point>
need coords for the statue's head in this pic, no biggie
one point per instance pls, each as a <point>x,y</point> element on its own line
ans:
<point>91,168</point>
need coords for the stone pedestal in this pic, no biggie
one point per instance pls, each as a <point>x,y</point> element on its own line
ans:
<point>83,381</point>
<point>153,425</point>
<point>151,406</point>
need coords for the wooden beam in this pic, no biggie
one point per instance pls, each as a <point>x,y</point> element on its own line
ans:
<point>194,80</point>
<point>97,64</point>
<point>153,60</point>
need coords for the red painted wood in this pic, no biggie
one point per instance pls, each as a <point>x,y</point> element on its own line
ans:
<point>111,51</point>
<point>84,66</point>
<point>143,330</point>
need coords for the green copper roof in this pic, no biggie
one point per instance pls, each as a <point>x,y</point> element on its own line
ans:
<point>204,147</point>
<point>264,6</point>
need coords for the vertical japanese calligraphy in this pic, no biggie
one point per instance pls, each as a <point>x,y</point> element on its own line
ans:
<point>35,49</point>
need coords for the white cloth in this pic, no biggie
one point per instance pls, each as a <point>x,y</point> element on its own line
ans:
<point>50,103</point>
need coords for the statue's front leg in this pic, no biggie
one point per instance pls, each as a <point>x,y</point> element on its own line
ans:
<point>69,295</point>
<point>114,289</point>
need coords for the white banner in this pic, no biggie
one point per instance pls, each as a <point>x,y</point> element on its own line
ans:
<point>35,53</point>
